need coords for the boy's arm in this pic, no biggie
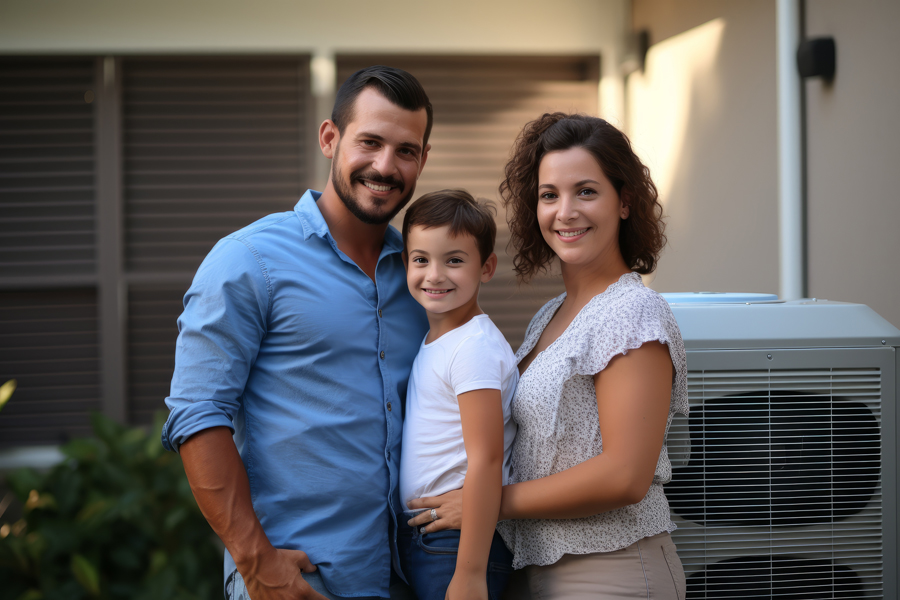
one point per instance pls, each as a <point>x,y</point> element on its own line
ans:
<point>481,413</point>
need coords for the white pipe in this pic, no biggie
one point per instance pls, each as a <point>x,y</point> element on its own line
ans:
<point>790,167</point>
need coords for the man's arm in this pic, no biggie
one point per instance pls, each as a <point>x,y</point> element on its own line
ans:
<point>219,482</point>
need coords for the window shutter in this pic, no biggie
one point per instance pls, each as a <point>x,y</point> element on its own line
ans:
<point>48,343</point>
<point>46,170</point>
<point>211,144</point>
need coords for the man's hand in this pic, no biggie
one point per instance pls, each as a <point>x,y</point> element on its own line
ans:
<point>276,576</point>
<point>467,588</point>
<point>447,506</point>
<point>220,485</point>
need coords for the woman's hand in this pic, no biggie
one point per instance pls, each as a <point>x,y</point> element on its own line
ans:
<point>467,588</point>
<point>448,508</point>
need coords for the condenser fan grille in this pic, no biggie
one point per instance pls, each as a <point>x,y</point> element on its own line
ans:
<point>777,484</point>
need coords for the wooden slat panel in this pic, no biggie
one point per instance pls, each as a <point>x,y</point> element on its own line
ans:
<point>480,105</point>
<point>211,145</point>
<point>48,342</point>
<point>46,167</point>
<point>152,331</point>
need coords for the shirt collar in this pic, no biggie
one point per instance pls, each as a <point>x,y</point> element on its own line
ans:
<point>313,223</point>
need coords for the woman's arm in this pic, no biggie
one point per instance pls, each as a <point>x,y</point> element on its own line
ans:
<point>633,396</point>
<point>481,414</point>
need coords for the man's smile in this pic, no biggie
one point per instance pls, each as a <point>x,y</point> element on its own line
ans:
<point>377,187</point>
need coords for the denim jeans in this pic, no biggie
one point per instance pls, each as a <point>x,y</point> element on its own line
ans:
<point>236,590</point>
<point>429,560</point>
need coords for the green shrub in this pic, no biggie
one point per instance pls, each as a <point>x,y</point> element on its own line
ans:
<point>115,520</point>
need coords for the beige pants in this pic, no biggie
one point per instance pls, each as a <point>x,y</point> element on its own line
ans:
<point>649,569</point>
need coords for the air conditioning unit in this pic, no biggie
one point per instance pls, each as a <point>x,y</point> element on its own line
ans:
<point>785,473</point>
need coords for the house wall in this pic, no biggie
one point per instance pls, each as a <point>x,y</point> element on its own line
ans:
<point>853,157</point>
<point>703,113</point>
<point>703,116</point>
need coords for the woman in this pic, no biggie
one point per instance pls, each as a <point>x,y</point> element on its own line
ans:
<point>586,516</point>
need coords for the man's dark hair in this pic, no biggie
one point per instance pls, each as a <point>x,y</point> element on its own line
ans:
<point>458,210</point>
<point>396,85</point>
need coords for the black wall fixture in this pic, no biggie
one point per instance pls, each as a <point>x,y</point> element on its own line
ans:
<point>816,58</point>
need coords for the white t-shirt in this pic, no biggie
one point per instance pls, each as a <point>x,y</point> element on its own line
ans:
<point>474,356</point>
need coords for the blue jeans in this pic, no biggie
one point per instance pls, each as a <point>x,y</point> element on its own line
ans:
<point>236,590</point>
<point>429,560</point>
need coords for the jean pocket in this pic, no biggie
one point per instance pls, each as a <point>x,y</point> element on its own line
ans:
<point>440,542</point>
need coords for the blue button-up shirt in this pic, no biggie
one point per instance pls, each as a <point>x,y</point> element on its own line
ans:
<point>286,341</point>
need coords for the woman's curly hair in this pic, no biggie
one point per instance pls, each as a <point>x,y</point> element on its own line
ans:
<point>641,235</point>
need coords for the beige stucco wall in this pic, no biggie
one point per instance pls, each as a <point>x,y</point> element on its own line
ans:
<point>718,172</point>
<point>703,115</point>
<point>854,157</point>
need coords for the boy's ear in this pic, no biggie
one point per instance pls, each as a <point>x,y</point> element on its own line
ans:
<point>489,268</point>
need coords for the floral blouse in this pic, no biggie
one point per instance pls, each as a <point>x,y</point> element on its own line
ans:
<point>555,407</point>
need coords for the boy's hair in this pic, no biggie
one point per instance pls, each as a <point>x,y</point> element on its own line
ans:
<point>458,209</point>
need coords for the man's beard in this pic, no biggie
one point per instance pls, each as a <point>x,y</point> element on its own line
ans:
<point>344,191</point>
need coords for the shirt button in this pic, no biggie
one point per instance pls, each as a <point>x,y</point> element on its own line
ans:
<point>379,313</point>
<point>382,354</point>
<point>389,455</point>
<point>389,406</point>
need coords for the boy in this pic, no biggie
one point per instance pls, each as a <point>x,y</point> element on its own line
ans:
<point>457,431</point>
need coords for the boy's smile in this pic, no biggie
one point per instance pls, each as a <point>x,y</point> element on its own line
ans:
<point>444,274</point>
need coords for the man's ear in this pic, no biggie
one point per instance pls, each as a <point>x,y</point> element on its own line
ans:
<point>489,268</point>
<point>329,136</point>
<point>424,158</point>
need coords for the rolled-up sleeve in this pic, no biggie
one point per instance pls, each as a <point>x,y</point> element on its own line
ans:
<point>219,334</point>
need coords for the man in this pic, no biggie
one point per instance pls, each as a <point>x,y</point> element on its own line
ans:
<point>297,337</point>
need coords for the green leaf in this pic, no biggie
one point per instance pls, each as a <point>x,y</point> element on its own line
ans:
<point>31,595</point>
<point>6,392</point>
<point>106,429</point>
<point>23,480</point>
<point>86,574</point>
<point>94,509</point>
<point>84,450</point>
<point>175,518</point>
<point>158,560</point>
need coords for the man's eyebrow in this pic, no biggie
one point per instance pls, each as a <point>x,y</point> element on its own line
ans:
<point>456,252</point>
<point>380,138</point>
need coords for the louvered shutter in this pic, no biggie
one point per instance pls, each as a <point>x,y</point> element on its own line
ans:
<point>48,343</point>
<point>210,145</point>
<point>46,169</point>
<point>48,337</point>
<point>480,105</point>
